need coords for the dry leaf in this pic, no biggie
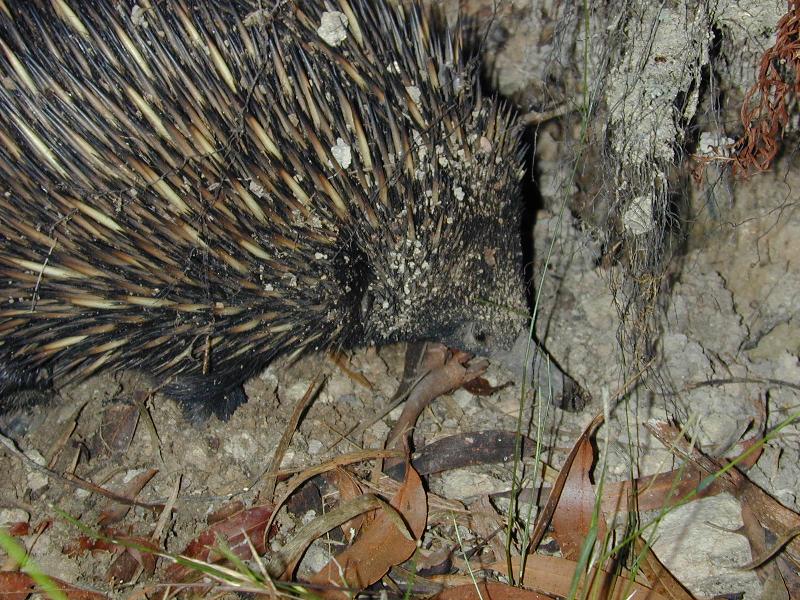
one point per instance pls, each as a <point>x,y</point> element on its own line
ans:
<point>572,519</point>
<point>490,591</point>
<point>553,575</point>
<point>127,563</point>
<point>659,577</point>
<point>115,512</point>
<point>380,545</point>
<point>349,489</point>
<point>18,586</point>
<point>547,512</point>
<point>235,531</point>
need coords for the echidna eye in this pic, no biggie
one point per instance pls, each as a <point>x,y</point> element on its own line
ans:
<point>480,336</point>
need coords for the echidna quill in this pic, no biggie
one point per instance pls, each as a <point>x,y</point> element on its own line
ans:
<point>192,188</point>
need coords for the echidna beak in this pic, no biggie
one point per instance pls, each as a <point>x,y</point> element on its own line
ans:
<point>529,358</point>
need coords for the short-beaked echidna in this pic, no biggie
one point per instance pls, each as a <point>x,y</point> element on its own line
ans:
<point>191,188</point>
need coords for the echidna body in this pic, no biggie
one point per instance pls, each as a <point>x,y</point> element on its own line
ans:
<point>191,188</point>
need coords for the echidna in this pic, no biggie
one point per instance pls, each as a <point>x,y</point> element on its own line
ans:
<point>192,188</point>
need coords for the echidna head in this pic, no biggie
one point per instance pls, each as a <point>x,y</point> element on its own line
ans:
<point>435,251</point>
<point>459,283</point>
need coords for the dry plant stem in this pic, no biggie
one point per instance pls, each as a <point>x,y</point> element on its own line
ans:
<point>140,399</point>
<point>413,372</point>
<point>284,562</point>
<point>453,373</point>
<point>771,513</point>
<point>440,510</point>
<point>61,440</point>
<point>163,519</point>
<point>268,491</point>
<point>736,380</point>
<point>115,512</point>
<point>339,461</point>
<point>488,524</point>
<point>538,117</point>
<point>74,481</point>
<point>341,362</point>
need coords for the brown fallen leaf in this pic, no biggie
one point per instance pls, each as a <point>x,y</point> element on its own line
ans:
<point>658,576</point>
<point>132,560</point>
<point>283,563</point>
<point>650,492</point>
<point>770,513</point>
<point>18,586</point>
<point>553,575</point>
<point>17,528</point>
<point>117,428</point>
<point>451,374</point>
<point>236,530</point>
<point>349,489</point>
<point>96,545</point>
<point>773,569</point>
<point>488,524</point>
<point>490,591</point>
<point>572,518</point>
<point>380,545</point>
<point>115,512</point>
<point>15,585</point>
<point>343,459</point>
<point>546,514</point>
<point>467,449</point>
<point>480,386</point>
<point>654,492</point>
<point>225,511</point>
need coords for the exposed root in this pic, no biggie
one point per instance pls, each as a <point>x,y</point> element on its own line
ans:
<point>765,110</point>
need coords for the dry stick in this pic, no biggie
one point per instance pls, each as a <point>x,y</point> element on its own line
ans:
<point>163,519</point>
<point>448,376</point>
<point>339,461</point>
<point>269,486</point>
<point>74,481</point>
<point>341,362</point>
<point>538,117</point>
<point>771,514</point>
<point>54,451</point>
<point>356,432</point>
<point>140,398</point>
<point>732,380</point>
<point>412,375</point>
